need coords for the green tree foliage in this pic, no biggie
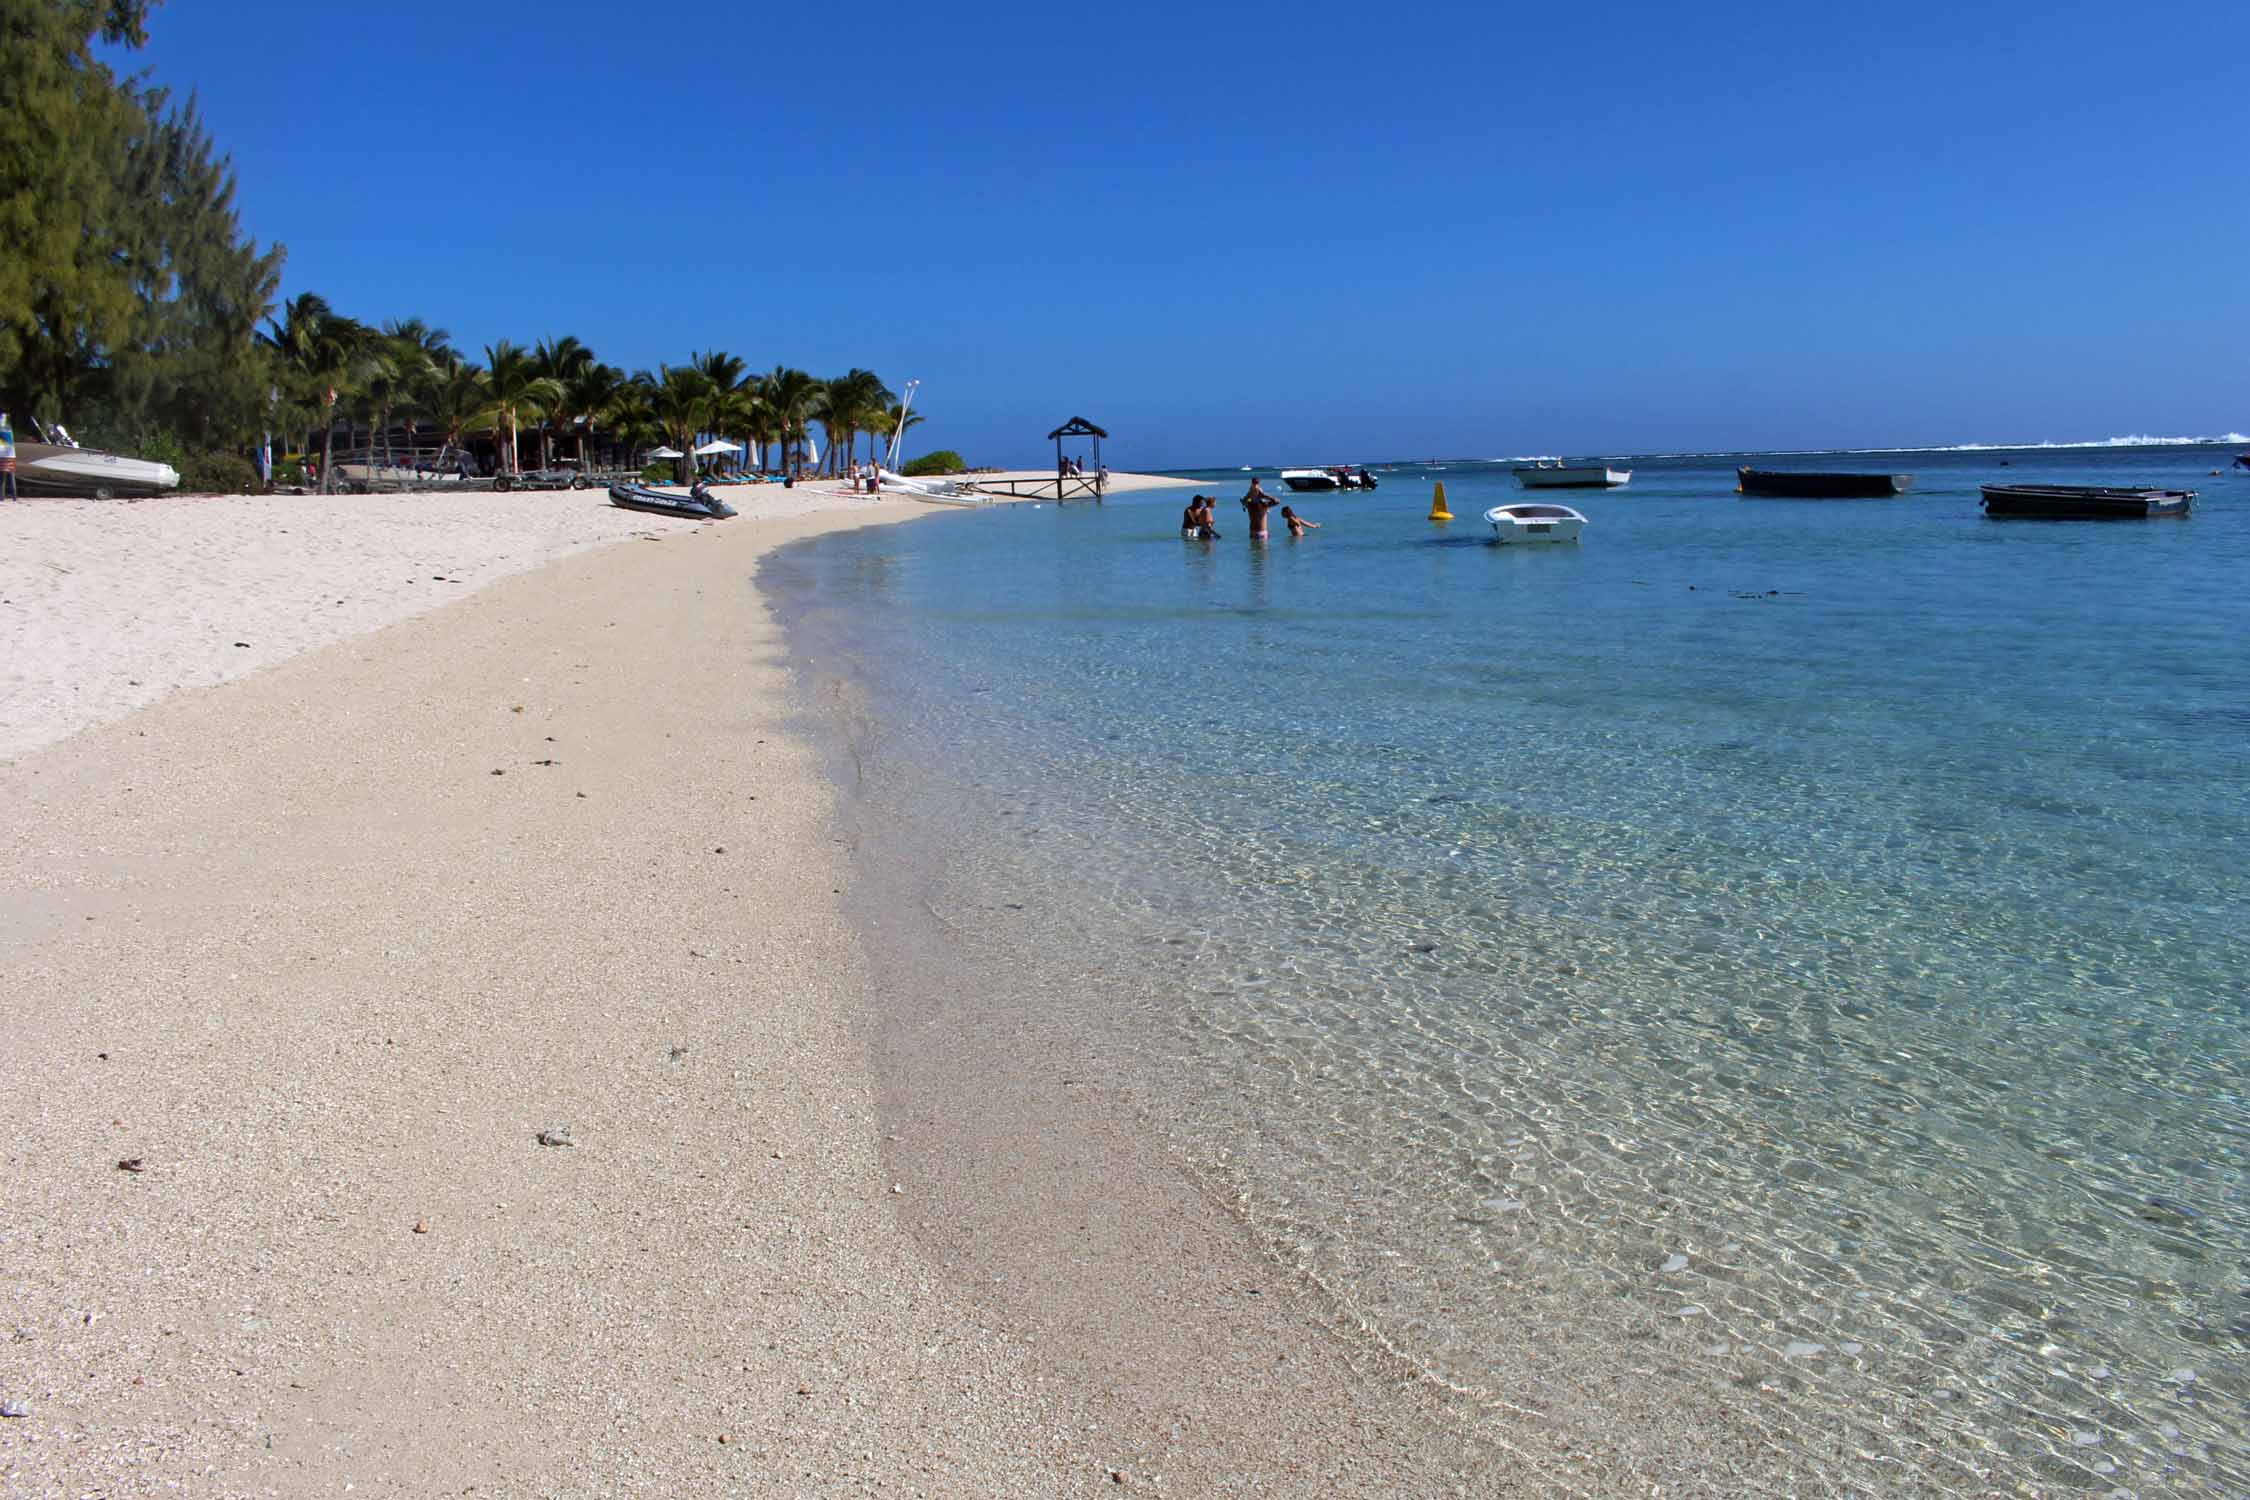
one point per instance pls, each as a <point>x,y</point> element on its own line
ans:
<point>133,304</point>
<point>128,292</point>
<point>944,461</point>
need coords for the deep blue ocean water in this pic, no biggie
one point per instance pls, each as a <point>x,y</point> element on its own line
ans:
<point>1817,929</point>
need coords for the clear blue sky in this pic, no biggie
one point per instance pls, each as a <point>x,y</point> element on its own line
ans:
<point>1303,232</point>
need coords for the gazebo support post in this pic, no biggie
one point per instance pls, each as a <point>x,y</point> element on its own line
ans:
<point>1077,427</point>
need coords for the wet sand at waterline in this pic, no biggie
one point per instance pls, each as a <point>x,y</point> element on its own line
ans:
<point>441,1060</point>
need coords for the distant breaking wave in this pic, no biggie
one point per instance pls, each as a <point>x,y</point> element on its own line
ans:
<point>2135,440</point>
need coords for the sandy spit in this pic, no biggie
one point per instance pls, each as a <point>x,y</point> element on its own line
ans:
<point>441,1063</point>
<point>1120,482</point>
<point>108,606</point>
<point>297,972</point>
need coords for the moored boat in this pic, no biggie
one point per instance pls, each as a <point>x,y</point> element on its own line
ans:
<point>61,469</point>
<point>1805,485</point>
<point>1512,524</point>
<point>693,506</point>
<point>1330,477</point>
<point>2084,502</point>
<point>1562,476</point>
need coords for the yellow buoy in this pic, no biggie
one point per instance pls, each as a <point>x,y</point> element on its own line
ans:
<point>1438,512</point>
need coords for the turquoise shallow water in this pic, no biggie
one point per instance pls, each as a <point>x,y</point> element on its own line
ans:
<point>1811,935</point>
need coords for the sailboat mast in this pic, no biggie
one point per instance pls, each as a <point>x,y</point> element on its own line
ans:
<point>906,401</point>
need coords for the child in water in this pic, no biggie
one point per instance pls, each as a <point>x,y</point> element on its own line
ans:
<point>1298,525</point>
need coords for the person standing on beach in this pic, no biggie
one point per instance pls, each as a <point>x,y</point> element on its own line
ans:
<point>7,460</point>
<point>1298,525</point>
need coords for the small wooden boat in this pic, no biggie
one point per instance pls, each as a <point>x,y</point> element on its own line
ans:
<point>2084,502</point>
<point>689,507</point>
<point>1562,476</point>
<point>1804,485</point>
<point>1513,524</point>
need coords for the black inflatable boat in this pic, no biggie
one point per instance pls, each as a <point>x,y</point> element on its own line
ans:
<point>693,506</point>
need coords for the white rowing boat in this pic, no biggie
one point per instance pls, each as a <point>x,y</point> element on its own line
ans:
<point>1561,476</point>
<point>1514,524</point>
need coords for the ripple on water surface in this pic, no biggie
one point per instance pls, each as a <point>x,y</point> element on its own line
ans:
<point>1804,955</point>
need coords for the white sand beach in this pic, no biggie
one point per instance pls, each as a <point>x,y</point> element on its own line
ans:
<point>106,607</point>
<point>438,1060</point>
<point>1120,483</point>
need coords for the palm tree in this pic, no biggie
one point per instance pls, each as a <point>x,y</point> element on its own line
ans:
<point>557,361</point>
<point>459,399</point>
<point>321,353</point>
<point>679,397</point>
<point>732,389</point>
<point>851,403</point>
<point>831,407</point>
<point>755,415</point>
<point>590,396</point>
<point>385,383</point>
<point>423,355</point>
<point>897,419</point>
<point>433,344</point>
<point>632,421</point>
<point>789,393</point>
<point>513,377</point>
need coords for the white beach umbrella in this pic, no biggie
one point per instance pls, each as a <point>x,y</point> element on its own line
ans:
<point>716,445</point>
<point>666,453</point>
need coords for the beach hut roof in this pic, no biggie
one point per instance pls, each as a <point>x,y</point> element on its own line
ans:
<point>1077,427</point>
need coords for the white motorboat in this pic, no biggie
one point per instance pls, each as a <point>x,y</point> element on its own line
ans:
<point>1333,477</point>
<point>1513,524</point>
<point>57,469</point>
<point>1562,476</point>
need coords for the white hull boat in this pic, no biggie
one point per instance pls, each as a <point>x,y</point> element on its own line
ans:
<point>1571,476</point>
<point>950,491</point>
<point>1514,524</point>
<point>48,469</point>
<point>1309,479</point>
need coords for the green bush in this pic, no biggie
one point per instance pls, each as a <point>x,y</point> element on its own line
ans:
<point>944,461</point>
<point>155,444</point>
<point>218,474</point>
<point>663,471</point>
